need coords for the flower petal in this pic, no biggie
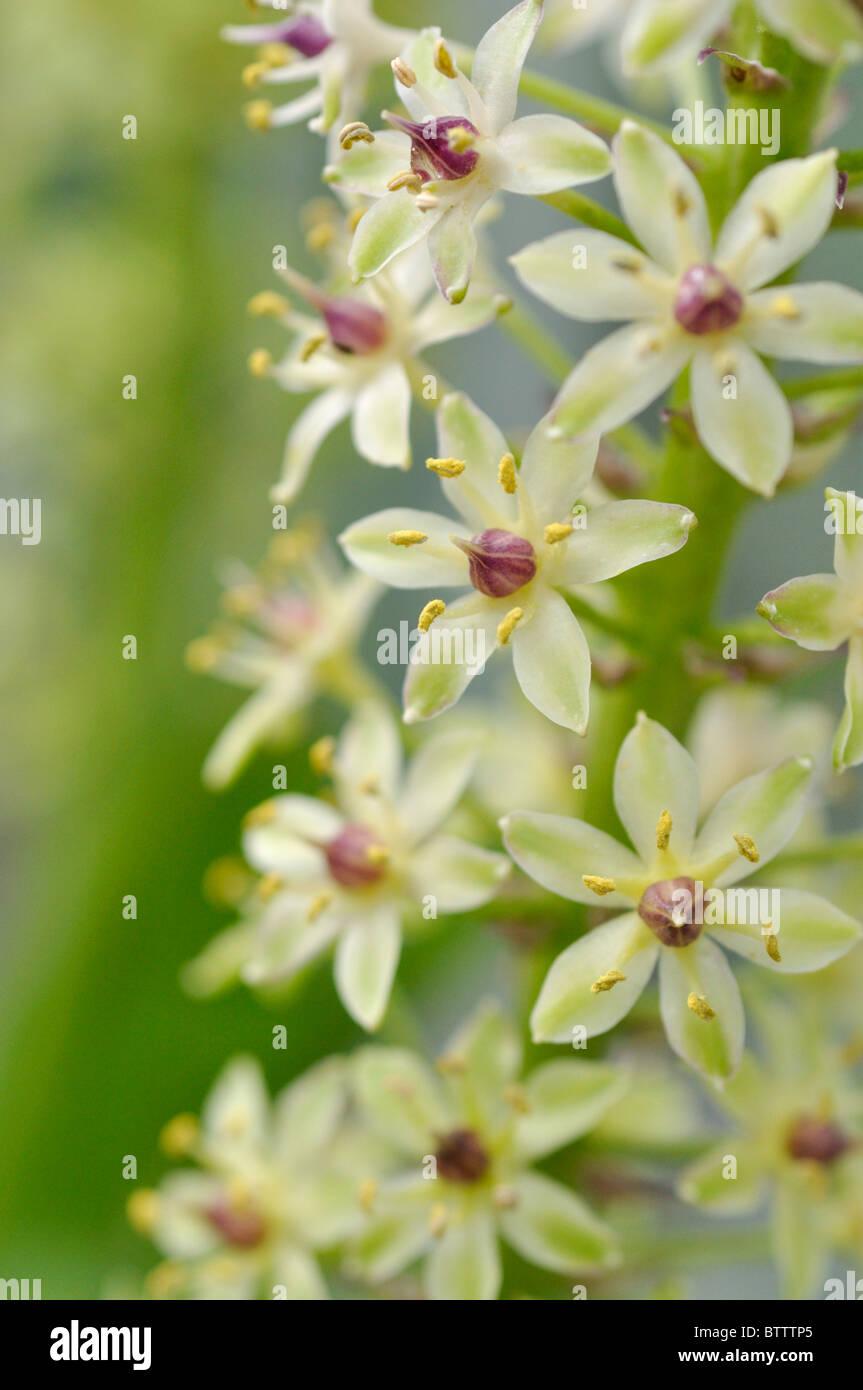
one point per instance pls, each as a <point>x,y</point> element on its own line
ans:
<point>767,807</point>
<point>401,1097</point>
<point>307,433</point>
<point>811,610</point>
<point>436,777</point>
<point>286,843</point>
<point>298,1273</point>
<point>781,215</point>
<point>593,276</point>
<point>565,1100</point>
<point>458,875</point>
<point>381,425</point>
<point>547,153</point>
<point>818,322</point>
<point>617,378</point>
<point>439,322</point>
<point>464,1264</point>
<point>367,168</point>
<point>448,657</point>
<point>552,662</point>
<point>555,472</point>
<point>846,514</point>
<point>430,564</point>
<point>824,30</point>
<point>452,247</point>
<point>809,931</point>
<point>366,959</point>
<point>557,850</point>
<point>466,434</point>
<point>479,1063</point>
<point>566,1002</point>
<point>308,1111</point>
<point>799,1246</point>
<point>391,225</point>
<point>390,1242</point>
<point>661,199</point>
<point>620,535</point>
<point>369,748</point>
<point>713,1046</point>
<point>659,33</point>
<point>500,57</point>
<point>714,1185</point>
<point>848,747</point>
<point>741,416</point>
<point>255,721</point>
<point>237,1109</point>
<point>653,774</point>
<point>448,96</point>
<point>551,1227</point>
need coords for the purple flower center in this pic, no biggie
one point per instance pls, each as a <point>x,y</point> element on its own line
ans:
<point>243,1229</point>
<point>817,1140</point>
<point>667,908</point>
<point>461,1157</point>
<point>440,148</point>
<point>354,326</point>
<point>500,563</point>
<point>349,859</point>
<point>707,302</point>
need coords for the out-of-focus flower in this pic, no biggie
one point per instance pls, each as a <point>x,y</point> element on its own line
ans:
<point>677,920</point>
<point>699,305</point>
<point>361,353</point>
<point>823,611</point>
<point>350,875</point>
<point>519,544</point>
<point>272,1185</point>
<point>334,44</point>
<point>289,634</point>
<point>798,1112</point>
<point>459,145</point>
<point>658,33</point>
<point>468,1138</point>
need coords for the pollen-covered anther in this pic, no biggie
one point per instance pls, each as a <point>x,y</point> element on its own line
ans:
<point>318,905</point>
<point>268,887</point>
<point>179,1136</point>
<point>507,475</point>
<point>438,1220</point>
<point>769,225</point>
<point>607,981</point>
<point>783,307</point>
<point>260,362</point>
<point>252,74</point>
<point>321,755</point>
<point>354,218</point>
<point>407,538</point>
<point>354,132</point>
<point>747,847</point>
<point>268,304</point>
<point>406,178</point>
<point>264,814</point>
<point>771,946</point>
<point>368,1191</point>
<point>699,1006</point>
<point>461,138</point>
<point>598,885</point>
<point>319,237</point>
<point>312,345</point>
<point>443,59</point>
<point>507,627</point>
<point>203,654</point>
<point>435,609</point>
<point>378,855</point>
<point>142,1210</point>
<point>446,468</point>
<point>663,831</point>
<point>259,115</point>
<point>370,785</point>
<point>427,202</point>
<point>516,1096</point>
<point>403,73</point>
<point>557,531</point>
<point>451,1064</point>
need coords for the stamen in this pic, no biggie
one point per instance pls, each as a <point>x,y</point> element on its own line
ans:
<point>427,202</point>
<point>264,814</point>
<point>370,785</point>
<point>443,59</point>
<point>252,74</point>
<point>699,1006</point>
<point>437,1220</point>
<point>682,205</point>
<point>509,624</point>
<point>557,531</point>
<point>607,981</point>
<point>461,138</point>
<point>747,848</point>
<point>312,345</point>
<point>446,468</point>
<point>771,945</point>
<point>318,905</point>
<point>407,537</point>
<point>268,887</point>
<point>258,114</point>
<point>599,886</point>
<point>353,132</point>
<point>203,654</point>
<point>450,1064</point>
<point>268,303</point>
<point>321,755</point>
<point>517,1098</point>
<point>435,609</point>
<point>377,855</point>
<point>784,307</point>
<point>770,227</point>
<point>260,362</point>
<point>368,1191</point>
<point>506,474</point>
<point>355,217</point>
<point>143,1209</point>
<point>403,74</point>
<point>407,178</point>
<point>663,831</point>
<point>179,1136</point>
<point>321,236</point>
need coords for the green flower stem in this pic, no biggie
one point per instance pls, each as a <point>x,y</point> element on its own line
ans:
<point>538,343</point>
<point>633,636</point>
<point>838,380</point>
<point>604,116</point>
<point>591,213</point>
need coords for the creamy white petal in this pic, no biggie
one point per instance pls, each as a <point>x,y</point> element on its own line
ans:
<point>429,564</point>
<point>452,247</point>
<point>653,774</point>
<point>565,1099</point>
<point>742,417</point>
<point>557,851</point>
<point>464,1263</point>
<point>402,1098</point>
<point>823,30</point>
<point>817,322</point>
<point>617,378</point>
<point>308,432</point>
<point>781,215</point>
<point>712,1045</point>
<point>255,722</point>
<point>381,424</point>
<point>436,777</point>
<point>619,536</point>
<point>500,57</point>
<point>551,1227</point>
<point>546,153</point>
<point>767,807</point>
<point>660,33</point>
<point>809,932</point>
<point>369,749</point>
<point>848,747</point>
<point>551,659</point>
<point>566,1001</point>
<point>391,225</point>
<point>449,656</point>
<point>458,875</point>
<point>366,960</point>
<point>591,275</point>
<point>661,199</point>
<point>465,433</point>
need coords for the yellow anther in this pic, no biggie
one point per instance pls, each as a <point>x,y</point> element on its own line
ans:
<point>663,830</point>
<point>504,1198</point>
<point>143,1209</point>
<point>699,1005</point>
<point>437,1220</point>
<point>378,854</point>
<point>747,848</point>
<point>406,178</point>
<point>268,887</point>
<point>426,202</point>
<point>238,1192</point>
<point>450,1064</point>
<point>275,55</point>
<point>321,755</point>
<point>368,1191</point>
<point>312,345</point>
<point>771,945</point>
<point>318,905</point>
<point>179,1136</point>
<point>370,784</point>
<point>516,1096</point>
<point>783,307</point>
<point>253,73</point>
<point>354,218</point>
<point>443,59</point>
<point>435,609</point>
<point>353,132</point>
<point>506,474</point>
<point>682,204</point>
<point>557,531</point>
<point>268,303</point>
<point>506,628</point>
<point>446,468</point>
<point>241,601</point>
<point>258,115</point>
<point>599,886</point>
<point>264,814</point>
<point>260,362</point>
<point>607,981</point>
<point>407,537</point>
<point>318,238</point>
<point>403,73</point>
<point>769,225</point>
<point>461,138</point>
<point>203,654</point>
<point>166,1279</point>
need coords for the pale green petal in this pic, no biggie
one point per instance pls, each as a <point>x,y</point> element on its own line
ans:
<point>308,1111</point>
<point>661,199</point>
<point>823,30</point>
<point>555,472</point>
<point>767,807</point>
<point>565,1099</point>
<point>435,779</point>
<point>809,931</point>
<point>593,276</point>
<point>458,875</point>
<point>256,720</point>
<point>464,1263</point>
<point>615,380</point>
<point>653,774</point>
<point>448,96</point>
<point>452,247</point>
<point>618,536</point>
<point>713,1046</point>
<point>287,843</point>
<point>729,1180</point>
<point>482,1060</point>
<point>551,659</point>
<point>466,434</point>
<point>429,564</point>
<point>811,610</point>
<point>557,850</point>
<point>566,1002</point>
<point>438,322</point>
<point>551,1227</point>
<point>799,1240</point>
<point>237,1109</point>
<point>369,748</point>
<point>367,168</point>
<point>500,57</point>
<point>845,516</point>
<point>449,656</point>
<point>741,416</point>
<point>220,962</point>
<point>547,153</point>
<point>367,957</point>
<point>391,225</point>
<point>307,433</point>
<point>781,215</point>
<point>381,423</point>
<point>298,1273</point>
<point>391,1241</point>
<point>818,322</point>
<point>660,33</point>
<point>401,1098</point>
<point>848,747</point>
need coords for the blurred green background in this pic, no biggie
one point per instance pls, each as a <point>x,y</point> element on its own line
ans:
<point>138,257</point>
